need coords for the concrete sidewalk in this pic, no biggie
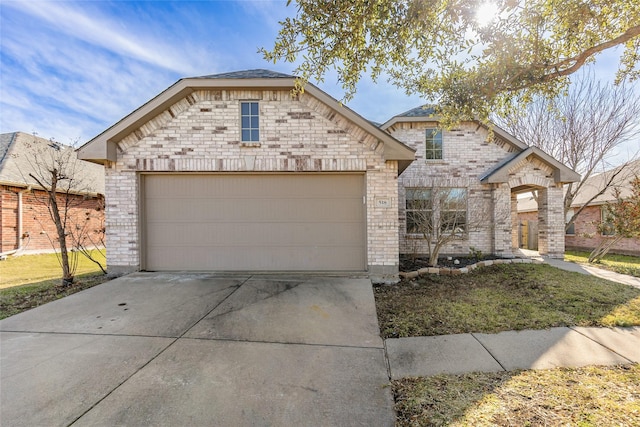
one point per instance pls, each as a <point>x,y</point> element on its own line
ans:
<point>581,268</point>
<point>594,271</point>
<point>506,351</point>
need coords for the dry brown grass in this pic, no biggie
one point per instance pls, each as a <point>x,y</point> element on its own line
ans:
<point>590,396</point>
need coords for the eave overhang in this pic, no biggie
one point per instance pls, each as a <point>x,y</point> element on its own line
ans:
<point>561,173</point>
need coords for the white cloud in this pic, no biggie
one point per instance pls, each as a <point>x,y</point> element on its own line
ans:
<point>101,31</point>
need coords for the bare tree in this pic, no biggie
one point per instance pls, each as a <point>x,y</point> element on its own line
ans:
<point>58,172</point>
<point>582,130</point>
<point>441,215</point>
<point>623,220</point>
<point>87,236</point>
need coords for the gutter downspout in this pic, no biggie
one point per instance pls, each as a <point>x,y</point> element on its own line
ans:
<point>20,236</point>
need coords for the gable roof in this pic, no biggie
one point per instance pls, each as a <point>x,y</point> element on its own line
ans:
<point>249,74</point>
<point>427,113</point>
<point>422,111</point>
<point>624,174</point>
<point>15,164</point>
<point>103,147</point>
<point>562,174</point>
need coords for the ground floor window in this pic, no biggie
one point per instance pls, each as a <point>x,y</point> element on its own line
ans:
<point>606,228</point>
<point>571,230</point>
<point>436,211</point>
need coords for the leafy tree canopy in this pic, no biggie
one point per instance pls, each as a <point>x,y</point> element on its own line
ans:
<point>441,50</point>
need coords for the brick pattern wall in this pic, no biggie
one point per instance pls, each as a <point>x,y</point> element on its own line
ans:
<point>492,213</point>
<point>551,222</point>
<point>587,236</point>
<point>528,216</point>
<point>533,172</point>
<point>466,157</point>
<point>201,133</point>
<point>36,219</point>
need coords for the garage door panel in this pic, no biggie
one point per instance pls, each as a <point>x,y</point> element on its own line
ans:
<point>243,210</point>
<point>247,234</point>
<point>288,259</point>
<point>237,186</point>
<point>264,222</point>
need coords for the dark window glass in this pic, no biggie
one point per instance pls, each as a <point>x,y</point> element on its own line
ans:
<point>250,121</point>
<point>441,208</point>
<point>433,144</point>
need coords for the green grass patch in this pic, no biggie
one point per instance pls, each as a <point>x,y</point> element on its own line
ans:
<point>17,299</point>
<point>29,281</point>
<point>623,264</point>
<point>501,298</point>
<point>590,396</point>
<point>25,269</point>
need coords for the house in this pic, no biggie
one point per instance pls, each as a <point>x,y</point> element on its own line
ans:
<point>486,169</point>
<point>584,234</point>
<point>25,223</point>
<point>232,172</point>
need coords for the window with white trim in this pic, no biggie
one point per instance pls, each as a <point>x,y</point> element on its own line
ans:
<point>433,144</point>
<point>453,211</point>
<point>418,209</point>
<point>572,228</point>
<point>607,228</point>
<point>444,209</point>
<point>250,121</point>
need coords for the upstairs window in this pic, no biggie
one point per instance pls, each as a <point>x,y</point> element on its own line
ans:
<point>433,144</point>
<point>250,121</point>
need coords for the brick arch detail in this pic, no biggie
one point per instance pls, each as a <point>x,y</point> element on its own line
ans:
<point>531,180</point>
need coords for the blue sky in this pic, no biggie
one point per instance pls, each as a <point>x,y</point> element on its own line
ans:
<point>69,70</point>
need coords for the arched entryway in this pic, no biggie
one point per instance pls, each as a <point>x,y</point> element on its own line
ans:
<point>531,170</point>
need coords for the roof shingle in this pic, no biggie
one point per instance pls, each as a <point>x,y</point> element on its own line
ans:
<point>15,164</point>
<point>249,74</point>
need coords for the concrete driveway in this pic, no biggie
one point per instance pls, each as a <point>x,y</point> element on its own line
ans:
<point>199,350</point>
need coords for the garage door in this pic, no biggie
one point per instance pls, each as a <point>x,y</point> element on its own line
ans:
<point>301,222</point>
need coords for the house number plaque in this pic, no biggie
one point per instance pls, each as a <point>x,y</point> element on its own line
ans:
<point>383,202</point>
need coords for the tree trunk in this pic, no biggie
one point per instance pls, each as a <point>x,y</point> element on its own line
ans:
<point>67,274</point>
<point>603,248</point>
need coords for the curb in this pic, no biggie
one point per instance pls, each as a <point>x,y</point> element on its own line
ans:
<point>464,270</point>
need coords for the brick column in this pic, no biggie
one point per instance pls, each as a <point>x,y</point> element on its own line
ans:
<point>501,196</point>
<point>551,222</point>
<point>515,224</point>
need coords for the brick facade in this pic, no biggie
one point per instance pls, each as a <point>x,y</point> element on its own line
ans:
<point>201,133</point>
<point>587,237</point>
<point>492,211</point>
<point>36,221</point>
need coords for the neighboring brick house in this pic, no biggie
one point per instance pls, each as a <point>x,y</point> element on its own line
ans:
<point>25,223</point>
<point>584,234</point>
<point>231,172</point>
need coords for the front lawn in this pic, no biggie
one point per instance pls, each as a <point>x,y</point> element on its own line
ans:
<point>25,269</point>
<point>31,280</point>
<point>623,264</point>
<point>502,298</point>
<point>589,396</point>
